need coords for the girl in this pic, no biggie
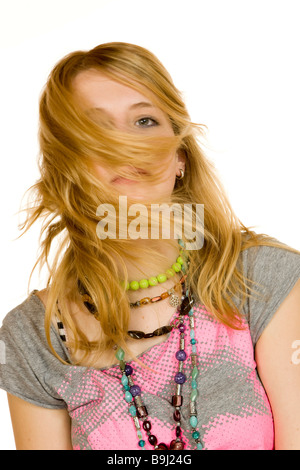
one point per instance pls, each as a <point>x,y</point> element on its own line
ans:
<point>142,341</point>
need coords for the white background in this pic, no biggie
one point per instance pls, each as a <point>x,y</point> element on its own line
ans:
<point>237,64</point>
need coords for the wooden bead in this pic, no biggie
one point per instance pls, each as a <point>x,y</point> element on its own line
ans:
<point>177,416</point>
<point>155,299</point>
<point>176,445</point>
<point>186,306</point>
<point>147,425</point>
<point>145,301</point>
<point>177,400</point>
<point>152,440</point>
<point>141,412</point>
<point>162,446</point>
<point>164,295</point>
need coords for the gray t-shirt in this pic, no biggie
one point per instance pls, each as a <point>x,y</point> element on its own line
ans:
<point>233,410</point>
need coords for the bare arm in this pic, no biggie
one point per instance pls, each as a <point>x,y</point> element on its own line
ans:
<point>37,428</point>
<point>279,373</point>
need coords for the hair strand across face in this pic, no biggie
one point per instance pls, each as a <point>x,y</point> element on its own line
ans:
<point>68,193</point>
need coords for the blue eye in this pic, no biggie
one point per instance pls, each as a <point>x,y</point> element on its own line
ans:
<point>146,122</point>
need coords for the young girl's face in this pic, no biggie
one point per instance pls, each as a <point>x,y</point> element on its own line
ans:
<point>131,112</point>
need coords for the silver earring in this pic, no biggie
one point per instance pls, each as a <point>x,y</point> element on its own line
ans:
<point>181,175</point>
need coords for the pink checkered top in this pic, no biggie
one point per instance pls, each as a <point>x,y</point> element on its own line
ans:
<point>233,410</point>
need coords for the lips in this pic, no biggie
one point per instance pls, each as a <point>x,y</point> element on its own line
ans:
<point>120,180</point>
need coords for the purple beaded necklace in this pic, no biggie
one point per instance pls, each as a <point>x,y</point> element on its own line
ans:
<point>132,395</point>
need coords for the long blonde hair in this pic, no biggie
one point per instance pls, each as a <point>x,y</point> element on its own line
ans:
<point>68,193</point>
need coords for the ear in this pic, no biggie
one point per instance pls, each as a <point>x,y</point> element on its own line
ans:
<point>181,160</point>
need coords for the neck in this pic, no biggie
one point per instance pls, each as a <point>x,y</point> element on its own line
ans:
<point>139,269</point>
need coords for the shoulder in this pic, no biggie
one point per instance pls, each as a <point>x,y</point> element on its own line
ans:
<point>262,258</point>
<point>270,266</point>
<point>42,295</point>
<point>270,273</point>
<point>29,369</point>
<point>24,326</point>
<point>30,311</point>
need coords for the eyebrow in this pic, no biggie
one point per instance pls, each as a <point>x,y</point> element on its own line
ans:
<point>140,104</point>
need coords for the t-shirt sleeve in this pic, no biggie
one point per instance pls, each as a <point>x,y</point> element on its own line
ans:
<point>275,271</point>
<point>27,365</point>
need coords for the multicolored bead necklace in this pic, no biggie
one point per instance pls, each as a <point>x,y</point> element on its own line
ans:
<point>132,395</point>
<point>174,301</point>
<point>176,267</point>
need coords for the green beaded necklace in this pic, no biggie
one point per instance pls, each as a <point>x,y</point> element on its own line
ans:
<point>159,279</point>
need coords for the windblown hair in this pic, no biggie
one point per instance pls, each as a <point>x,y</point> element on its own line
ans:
<point>68,193</point>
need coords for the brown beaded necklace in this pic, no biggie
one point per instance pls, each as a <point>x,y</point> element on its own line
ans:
<point>134,334</point>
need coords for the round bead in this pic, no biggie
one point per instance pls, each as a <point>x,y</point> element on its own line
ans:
<point>128,369</point>
<point>134,285</point>
<point>181,355</point>
<point>152,440</point>
<point>196,435</point>
<point>161,278</point>
<point>180,378</point>
<point>142,443</point>
<point>162,446</point>
<point>182,328</point>
<point>147,425</point>
<point>193,341</point>
<point>170,273</point>
<point>144,284</point>
<point>176,267</point>
<point>193,421</point>
<point>126,387</point>
<point>153,281</point>
<point>179,260</point>
<point>135,390</point>
<point>132,410</point>
<point>128,397</point>
<point>176,445</point>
